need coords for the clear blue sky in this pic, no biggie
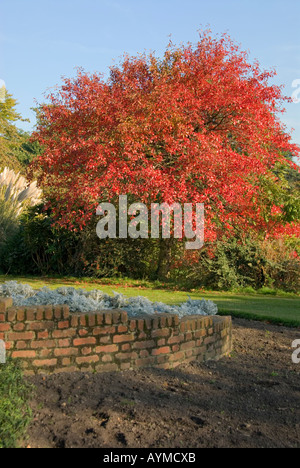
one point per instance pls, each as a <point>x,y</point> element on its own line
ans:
<point>43,40</point>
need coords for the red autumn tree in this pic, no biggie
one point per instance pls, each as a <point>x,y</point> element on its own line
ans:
<point>201,125</point>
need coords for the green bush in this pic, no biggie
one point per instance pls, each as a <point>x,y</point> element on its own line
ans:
<point>230,264</point>
<point>247,265</point>
<point>38,248</point>
<point>15,413</point>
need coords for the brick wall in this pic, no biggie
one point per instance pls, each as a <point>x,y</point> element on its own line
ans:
<point>49,339</point>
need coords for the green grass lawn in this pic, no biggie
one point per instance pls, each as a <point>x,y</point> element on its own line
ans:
<point>276,309</point>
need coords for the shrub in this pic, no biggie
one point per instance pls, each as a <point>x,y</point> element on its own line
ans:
<point>15,413</point>
<point>15,195</point>
<point>230,263</point>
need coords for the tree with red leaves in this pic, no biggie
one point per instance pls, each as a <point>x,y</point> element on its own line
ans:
<point>200,125</point>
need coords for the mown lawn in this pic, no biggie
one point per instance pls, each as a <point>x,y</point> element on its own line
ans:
<point>278,309</point>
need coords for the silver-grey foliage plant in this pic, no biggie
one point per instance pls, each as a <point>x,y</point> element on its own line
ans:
<point>81,301</point>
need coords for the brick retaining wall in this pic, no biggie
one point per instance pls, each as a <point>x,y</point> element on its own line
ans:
<point>49,339</point>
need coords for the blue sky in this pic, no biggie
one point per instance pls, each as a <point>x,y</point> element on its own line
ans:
<point>43,40</point>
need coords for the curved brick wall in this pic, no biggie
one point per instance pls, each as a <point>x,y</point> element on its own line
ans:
<point>50,339</point>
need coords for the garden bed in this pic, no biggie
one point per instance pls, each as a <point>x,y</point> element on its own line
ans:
<point>251,399</point>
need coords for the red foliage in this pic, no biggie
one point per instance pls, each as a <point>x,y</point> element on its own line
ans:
<point>199,126</point>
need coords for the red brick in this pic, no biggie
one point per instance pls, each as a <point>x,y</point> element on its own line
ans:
<point>21,345</point>
<point>64,324</point>
<point>125,365</point>
<point>45,362</point>
<point>30,315</point>
<point>58,313</point>
<point>161,342</point>
<point>141,324</point>
<point>87,359</point>
<point>69,333</point>
<point>107,349</point>
<point>5,303</point>
<point>177,356</point>
<point>84,341</point>
<point>11,315</point>
<point>143,344</point>
<point>125,356</point>
<point>144,353</point>
<point>107,358</point>
<point>45,353</point>
<point>66,311</point>
<point>176,339</point>
<point>86,351</point>
<point>66,361</point>
<point>124,317</point>
<point>123,338</point>
<point>23,354</point>
<point>64,343</point>
<point>107,368</point>
<point>66,370</point>
<point>40,313</point>
<point>122,329</point>
<point>21,336</point>
<point>4,327</point>
<point>83,320</point>
<point>105,339</point>
<point>43,344</point>
<point>158,351</point>
<point>210,340</point>
<point>21,315</point>
<point>83,332</point>
<point>155,323</point>
<point>116,316</point>
<point>43,335</point>
<point>2,317</point>
<point>66,352</point>
<point>108,319</point>
<point>92,320</point>
<point>40,326</point>
<point>145,362</point>
<point>126,347</point>
<point>189,345</point>
<point>104,331</point>
<point>74,321</point>
<point>200,333</point>
<point>160,333</point>
<point>100,319</point>
<point>48,312</point>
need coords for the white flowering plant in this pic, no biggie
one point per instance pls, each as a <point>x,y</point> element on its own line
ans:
<point>82,301</point>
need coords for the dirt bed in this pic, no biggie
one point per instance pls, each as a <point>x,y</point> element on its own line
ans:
<point>251,399</point>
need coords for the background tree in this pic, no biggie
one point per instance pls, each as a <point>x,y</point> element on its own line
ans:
<point>16,149</point>
<point>201,125</point>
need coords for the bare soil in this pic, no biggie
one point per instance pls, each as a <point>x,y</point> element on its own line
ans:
<point>250,399</point>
